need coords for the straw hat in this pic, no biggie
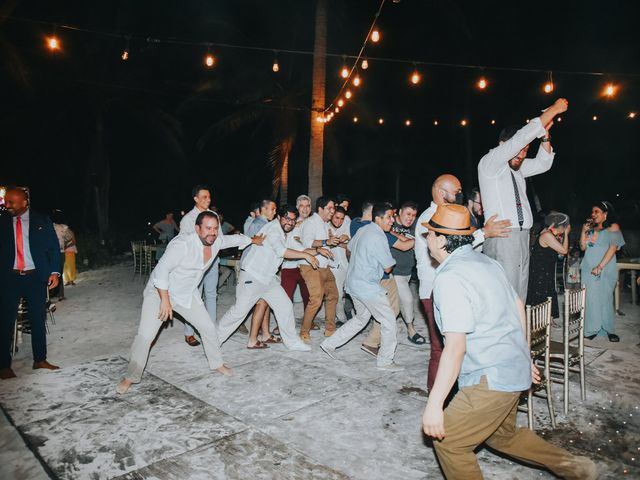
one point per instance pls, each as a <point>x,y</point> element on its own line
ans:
<point>451,220</point>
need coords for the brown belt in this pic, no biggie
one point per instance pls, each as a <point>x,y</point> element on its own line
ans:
<point>24,272</point>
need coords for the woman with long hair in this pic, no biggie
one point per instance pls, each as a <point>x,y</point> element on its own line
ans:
<point>600,240</point>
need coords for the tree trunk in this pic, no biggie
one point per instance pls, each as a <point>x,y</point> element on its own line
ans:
<point>284,180</point>
<point>316,144</point>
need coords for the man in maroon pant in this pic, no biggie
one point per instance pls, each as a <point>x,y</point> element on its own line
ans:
<point>445,189</point>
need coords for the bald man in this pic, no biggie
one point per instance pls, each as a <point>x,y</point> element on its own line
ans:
<point>445,189</point>
<point>29,264</point>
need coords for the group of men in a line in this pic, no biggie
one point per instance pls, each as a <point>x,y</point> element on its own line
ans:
<point>472,299</point>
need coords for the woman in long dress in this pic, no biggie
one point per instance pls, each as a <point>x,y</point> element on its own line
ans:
<point>601,238</point>
<point>552,241</point>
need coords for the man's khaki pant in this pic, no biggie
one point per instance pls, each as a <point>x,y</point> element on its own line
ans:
<point>322,286</point>
<point>478,415</point>
<point>389,284</point>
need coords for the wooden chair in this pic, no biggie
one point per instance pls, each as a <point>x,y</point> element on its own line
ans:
<point>568,355</point>
<point>137,250</point>
<point>539,338</point>
<point>148,259</point>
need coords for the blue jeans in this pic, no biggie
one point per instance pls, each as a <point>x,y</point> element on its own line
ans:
<point>209,287</point>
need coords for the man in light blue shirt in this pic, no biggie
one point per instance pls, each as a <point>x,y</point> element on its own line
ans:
<point>370,259</point>
<point>483,323</point>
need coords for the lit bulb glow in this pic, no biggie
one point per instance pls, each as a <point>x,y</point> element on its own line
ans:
<point>125,55</point>
<point>548,87</point>
<point>559,119</point>
<point>275,67</point>
<point>337,109</point>
<point>415,77</point>
<point>375,36</point>
<point>340,102</point>
<point>463,123</point>
<point>381,121</point>
<point>407,123</point>
<point>610,90</point>
<point>356,81</point>
<point>365,64</point>
<point>209,60</point>
<point>482,83</point>
<point>355,119</point>
<point>347,94</point>
<point>594,118</point>
<point>632,115</point>
<point>344,73</point>
<point>319,118</point>
<point>493,122</point>
<point>435,122</point>
<point>53,43</point>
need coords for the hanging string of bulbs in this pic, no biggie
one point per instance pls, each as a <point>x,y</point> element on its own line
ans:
<point>350,75</point>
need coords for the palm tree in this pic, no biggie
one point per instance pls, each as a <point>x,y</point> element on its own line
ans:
<point>316,146</point>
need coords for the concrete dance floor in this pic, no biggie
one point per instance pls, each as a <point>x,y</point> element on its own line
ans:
<point>284,415</point>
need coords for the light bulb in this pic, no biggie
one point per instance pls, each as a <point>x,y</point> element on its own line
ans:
<point>493,122</point>
<point>415,77</point>
<point>375,36</point>
<point>548,87</point>
<point>344,73</point>
<point>407,122</point>
<point>381,121</point>
<point>356,81</point>
<point>275,67</point>
<point>355,119</point>
<point>632,115</point>
<point>209,60</point>
<point>594,118</point>
<point>463,123</point>
<point>337,109</point>
<point>610,90</point>
<point>347,94</point>
<point>319,118</point>
<point>125,55</point>
<point>53,43</point>
<point>340,102</point>
<point>435,122</point>
<point>365,64</point>
<point>482,83</point>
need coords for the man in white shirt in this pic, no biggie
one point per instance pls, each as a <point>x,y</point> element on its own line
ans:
<point>370,259</point>
<point>445,189</point>
<point>502,173</point>
<point>173,286</point>
<point>290,273</point>
<point>338,227</point>
<point>258,280</point>
<point>320,282</point>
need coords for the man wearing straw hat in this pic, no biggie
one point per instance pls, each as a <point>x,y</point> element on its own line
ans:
<point>483,323</point>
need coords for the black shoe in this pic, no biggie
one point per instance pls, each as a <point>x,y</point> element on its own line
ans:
<point>613,337</point>
<point>591,337</point>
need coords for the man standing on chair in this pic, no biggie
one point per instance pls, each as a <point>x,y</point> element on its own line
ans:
<point>502,175</point>
<point>30,264</point>
<point>485,349</point>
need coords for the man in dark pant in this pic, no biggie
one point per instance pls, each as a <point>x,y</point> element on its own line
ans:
<point>29,264</point>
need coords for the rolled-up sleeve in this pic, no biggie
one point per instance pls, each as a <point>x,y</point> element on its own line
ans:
<point>171,258</point>
<point>308,233</point>
<point>540,164</point>
<point>452,305</point>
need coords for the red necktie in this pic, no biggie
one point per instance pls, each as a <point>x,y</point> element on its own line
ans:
<point>19,245</point>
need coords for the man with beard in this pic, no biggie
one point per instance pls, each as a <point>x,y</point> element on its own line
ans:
<point>502,173</point>
<point>173,286</point>
<point>258,280</point>
<point>338,227</point>
<point>445,189</point>
<point>474,205</point>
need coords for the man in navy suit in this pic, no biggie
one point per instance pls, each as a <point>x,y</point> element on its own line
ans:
<point>29,264</point>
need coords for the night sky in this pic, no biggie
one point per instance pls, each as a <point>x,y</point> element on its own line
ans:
<point>159,110</point>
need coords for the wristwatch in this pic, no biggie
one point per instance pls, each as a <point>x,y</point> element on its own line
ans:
<point>545,139</point>
<point>324,243</point>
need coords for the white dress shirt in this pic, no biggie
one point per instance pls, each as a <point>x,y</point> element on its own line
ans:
<point>314,228</point>
<point>26,248</point>
<point>340,259</point>
<point>494,175</point>
<point>425,264</point>
<point>263,261</point>
<point>294,243</point>
<point>188,226</point>
<point>181,268</point>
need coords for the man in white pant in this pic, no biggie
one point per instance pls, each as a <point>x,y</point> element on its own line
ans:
<point>339,227</point>
<point>370,259</point>
<point>173,286</point>
<point>258,280</point>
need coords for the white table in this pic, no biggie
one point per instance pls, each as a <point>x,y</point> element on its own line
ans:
<point>632,264</point>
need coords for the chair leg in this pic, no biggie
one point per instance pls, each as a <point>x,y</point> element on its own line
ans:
<point>550,403</point>
<point>14,343</point>
<point>530,408</point>
<point>583,387</point>
<point>566,388</point>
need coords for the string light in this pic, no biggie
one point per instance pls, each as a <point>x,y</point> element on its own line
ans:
<point>493,122</point>
<point>482,83</point>
<point>632,115</point>
<point>347,94</point>
<point>381,120</point>
<point>365,64</point>
<point>415,77</point>
<point>319,118</point>
<point>610,90</point>
<point>340,102</point>
<point>435,122</point>
<point>356,81</point>
<point>375,36</point>
<point>344,73</point>
<point>275,67</point>
<point>463,123</point>
<point>407,123</point>
<point>53,43</point>
<point>355,119</point>
<point>559,119</point>
<point>209,59</point>
<point>337,109</point>
<point>548,87</point>
<point>125,55</point>
<point>594,118</point>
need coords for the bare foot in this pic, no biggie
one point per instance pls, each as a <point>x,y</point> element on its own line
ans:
<point>224,370</point>
<point>123,386</point>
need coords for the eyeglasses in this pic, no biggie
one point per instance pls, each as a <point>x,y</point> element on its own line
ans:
<point>288,220</point>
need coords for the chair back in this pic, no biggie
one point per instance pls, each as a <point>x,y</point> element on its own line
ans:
<point>574,308</point>
<point>539,328</point>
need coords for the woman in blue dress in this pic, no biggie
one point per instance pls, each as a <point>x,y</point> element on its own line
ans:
<point>601,238</point>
